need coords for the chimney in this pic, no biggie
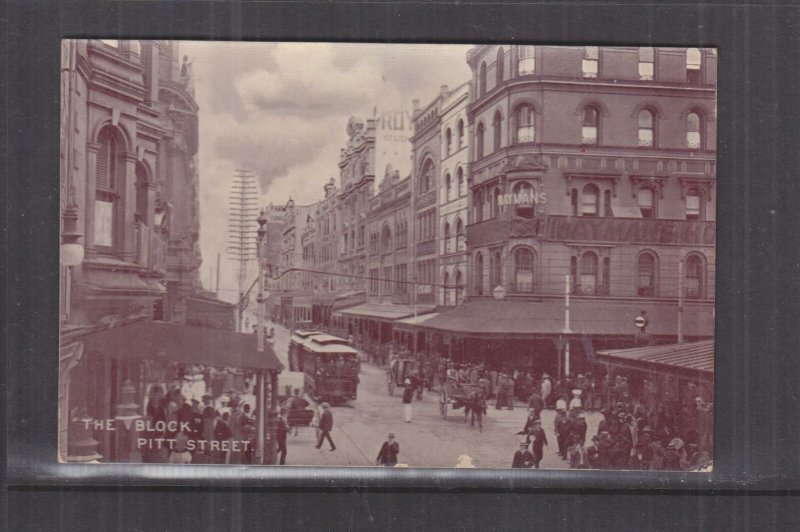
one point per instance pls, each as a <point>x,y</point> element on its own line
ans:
<point>443,90</point>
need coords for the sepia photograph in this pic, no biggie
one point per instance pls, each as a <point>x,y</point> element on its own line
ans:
<point>387,255</point>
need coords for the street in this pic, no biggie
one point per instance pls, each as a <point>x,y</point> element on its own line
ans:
<point>361,426</point>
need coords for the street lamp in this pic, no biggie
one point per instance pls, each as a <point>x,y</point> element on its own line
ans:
<point>262,403</point>
<point>71,253</point>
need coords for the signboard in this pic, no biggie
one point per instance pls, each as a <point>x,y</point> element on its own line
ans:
<point>393,129</point>
<point>640,321</point>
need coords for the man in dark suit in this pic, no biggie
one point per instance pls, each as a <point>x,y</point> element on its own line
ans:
<point>389,451</point>
<point>325,426</point>
<point>523,459</point>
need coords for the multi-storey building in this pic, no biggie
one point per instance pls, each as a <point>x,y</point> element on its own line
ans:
<point>454,172</point>
<point>295,286</point>
<point>592,171</point>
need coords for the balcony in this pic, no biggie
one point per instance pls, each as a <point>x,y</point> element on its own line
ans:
<point>151,249</point>
<point>629,230</point>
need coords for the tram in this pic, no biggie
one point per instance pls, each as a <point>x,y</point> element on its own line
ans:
<point>330,366</point>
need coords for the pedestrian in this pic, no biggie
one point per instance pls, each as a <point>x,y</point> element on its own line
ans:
<point>593,454</point>
<point>179,453</point>
<point>523,459</point>
<point>576,454</point>
<point>546,389</point>
<point>283,430</point>
<point>408,398</point>
<point>387,456</point>
<point>538,441</point>
<point>535,401</point>
<point>578,427</point>
<point>575,402</point>
<point>222,434</point>
<point>533,415</point>
<point>465,462</point>
<point>478,409</point>
<point>325,427</point>
<point>561,425</point>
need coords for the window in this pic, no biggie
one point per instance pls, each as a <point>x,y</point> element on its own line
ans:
<point>482,81</point>
<point>646,121</point>
<point>386,239</point>
<point>591,57</point>
<point>477,205</point>
<point>608,210</point>
<point>524,208</point>
<point>573,272</point>
<point>461,237</point>
<point>647,202</point>
<point>574,201</point>
<point>646,275</point>
<point>107,185</point>
<point>500,66</point>
<point>497,128</point>
<point>694,138</point>
<point>460,180</point>
<point>448,185</point>
<point>426,176</point>
<point>460,130</point>
<point>479,134</point>
<point>526,62</point>
<point>695,276</point>
<point>374,280</point>
<point>694,205</point>
<point>605,289</point>
<point>448,141</point>
<point>387,280</point>
<point>497,270</point>
<point>402,276</point>
<point>525,124</point>
<point>523,270</point>
<point>446,289</point>
<point>478,277</point>
<point>427,226</point>
<point>646,63</point>
<point>590,199</point>
<point>141,194</point>
<point>591,121</point>
<point>495,206</point>
<point>588,272</point>
<point>694,61</point>
<point>446,237</point>
<point>459,286</point>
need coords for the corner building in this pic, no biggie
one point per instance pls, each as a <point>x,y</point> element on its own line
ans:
<point>592,172</point>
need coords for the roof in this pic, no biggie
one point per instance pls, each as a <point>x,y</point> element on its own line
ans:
<point>328,347</point>
<point>414,320</point>
<point>695,356</point>
<point>154,340</point>
<point>385,311</point>
<point>592,316</point>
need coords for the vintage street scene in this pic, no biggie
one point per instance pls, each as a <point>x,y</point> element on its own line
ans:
<point>387,255</point>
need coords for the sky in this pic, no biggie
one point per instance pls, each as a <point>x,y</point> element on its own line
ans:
<point>281,110</point>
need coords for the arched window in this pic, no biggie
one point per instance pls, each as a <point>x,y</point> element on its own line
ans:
<point>591,125</point>
<point>500,65</point>
<point>497,270</point>
<point>461,237</point>
<point>695,276</point>
<point>606,286</point>
<point>589,272</point>
<point>477,205</point>
<point>495,207</point>
<point>460,131</point>
<point>646,128</point>
<point>482,81</point>
<point>446,237</point>
<point>590,200</point>
<point>524,117</point>
<point>459,287</point>
<point>478,275</point>
<point>460,180</point>
<point>426,177</point>
<point>448,185</point>
<point>608,210</point>
<point>523,270</point>
<point>573,196</point>
<point>526,62</point>
<point>694,63</point>
<point>497,129</point>
<point>109,184</point>
<point>646,275</point>
<point>695,204</point>
<point>694,125</point>
<point>479,134</point>
<point>141,195</point>
<point>646,198</point>
<point>448,141</point>
<point>386,239</point>
<point>524,205</point>
<point>446,289</point>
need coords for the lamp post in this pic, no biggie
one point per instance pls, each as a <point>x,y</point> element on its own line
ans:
<point>261,403</point>
<point>71,251</point>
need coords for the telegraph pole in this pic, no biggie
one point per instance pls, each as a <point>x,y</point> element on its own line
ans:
<point>242,208</point>
<point>261,402</point>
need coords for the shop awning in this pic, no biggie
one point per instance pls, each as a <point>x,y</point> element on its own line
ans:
<point>588,316</point>
<point>120,282</point>
<point>170,342</point>
<point>413,321</point>
<point>691,356</point>
<point>384,312</point>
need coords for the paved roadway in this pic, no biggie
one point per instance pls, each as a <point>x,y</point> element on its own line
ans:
<point>361,426</point>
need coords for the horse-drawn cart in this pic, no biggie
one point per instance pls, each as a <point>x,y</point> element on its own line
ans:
<point>459,395</point>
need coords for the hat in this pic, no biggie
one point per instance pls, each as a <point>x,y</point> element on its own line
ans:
<point>391,434</point>
<point>647,428</point>
<point>523,443</point>
<point>545,376</point>
<point>326,405</point>
<point>407,381</point>
<point>576,392</point>
<point>207,396</point>
<point>537,421</point>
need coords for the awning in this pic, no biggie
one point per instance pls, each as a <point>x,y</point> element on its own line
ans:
<point>119,282</point>
<point>588,316</point>
<point>170,342</point>
<point>690,356</point>
<point>412,322</point>
<point>384,312</point>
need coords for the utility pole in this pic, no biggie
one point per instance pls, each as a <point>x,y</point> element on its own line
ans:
<point>566,330</point>
<point>261,402</point>
<point>242,209</point>
<point>680,301</point>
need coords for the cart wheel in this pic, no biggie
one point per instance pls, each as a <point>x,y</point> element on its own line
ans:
<point>443,405</point>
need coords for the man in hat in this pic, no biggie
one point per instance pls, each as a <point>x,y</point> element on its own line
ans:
<point>408,398</point>
<point>387,456</point>
<point>523,459</point>
<point>593,453</point>
<point>561,425</point>
<point>325,426</point>
<point>546,389</point>
<point>576,454</point>
<point>533,415</point>
<point>578,427</point>
<point>283,430</point>
<point>575,402</point>
<point>538,441</point>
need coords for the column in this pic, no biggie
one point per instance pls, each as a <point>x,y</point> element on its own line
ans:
<point>127,231</point>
